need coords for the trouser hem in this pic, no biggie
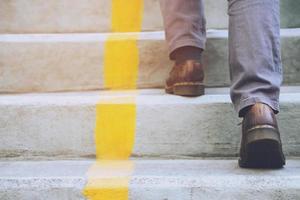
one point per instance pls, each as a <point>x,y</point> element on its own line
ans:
<point>182,43</point>
<point>253,100</point>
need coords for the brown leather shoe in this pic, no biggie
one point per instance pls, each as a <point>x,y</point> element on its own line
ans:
<point>186,79</point>
<point>261,144</point>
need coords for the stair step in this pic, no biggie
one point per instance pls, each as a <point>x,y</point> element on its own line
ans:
<point>67,16</point>
<point>148,180</point>
<point>61,125</point>
<point>74,62</point>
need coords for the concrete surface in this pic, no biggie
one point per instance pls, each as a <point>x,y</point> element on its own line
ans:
<point>69,16</point>
<point>78,16</point>
<point>61,125</point>
<point>150,180</point>
<point>289,10</point>
<point>64,62</point>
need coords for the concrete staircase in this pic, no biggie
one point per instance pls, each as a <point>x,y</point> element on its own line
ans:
<point>51,78</point>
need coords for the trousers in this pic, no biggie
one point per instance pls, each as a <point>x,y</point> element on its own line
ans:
<point>254,45</point>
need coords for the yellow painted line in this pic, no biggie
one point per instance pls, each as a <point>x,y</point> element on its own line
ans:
<point>114,139</point>
<point>121,61</point>
<point>109,180</point>
<point>116,117</point>
<point>127,15</point>
<point>121,55</point>
<point>115,128</point>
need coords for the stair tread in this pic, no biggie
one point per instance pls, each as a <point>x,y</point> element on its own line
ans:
<point>152,35</point>
<point>167,170</point>
<point>148,180</point>
<point>143,96</point>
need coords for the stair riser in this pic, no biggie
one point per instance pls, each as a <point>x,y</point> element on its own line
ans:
<point>69,16</point>
<point>64,127</point>
<point>75,62</point>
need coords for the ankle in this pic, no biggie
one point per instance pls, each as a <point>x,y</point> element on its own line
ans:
<point>185,53</point>
<point>256,106</point>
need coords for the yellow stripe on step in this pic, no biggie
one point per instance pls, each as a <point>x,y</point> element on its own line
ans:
<point>116,117</point>
<point>109,180</point>
<point>127,15</point>
<point>115,128</point>
<point>121,57</point>
<point>121,61</point>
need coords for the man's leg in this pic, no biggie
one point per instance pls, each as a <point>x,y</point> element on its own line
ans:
<point>256,73</point>
<point>186,35</point>
<point>254,53</point>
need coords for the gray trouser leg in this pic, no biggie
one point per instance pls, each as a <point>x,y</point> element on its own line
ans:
<point>184,23</point>
<point>254,45</point>
<point>254,52</point>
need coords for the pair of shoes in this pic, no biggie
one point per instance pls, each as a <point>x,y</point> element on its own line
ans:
<point>261,144</point>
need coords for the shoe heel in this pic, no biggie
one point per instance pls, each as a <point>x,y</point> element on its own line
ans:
<point>189,90</point>
<point>263,134</point>
<point>263,149</point>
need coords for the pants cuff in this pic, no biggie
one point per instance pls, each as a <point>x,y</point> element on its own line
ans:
<point>253,100</point>
<point>194,43</point>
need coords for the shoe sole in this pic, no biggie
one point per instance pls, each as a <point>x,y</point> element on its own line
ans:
<point>263,150</point>
<point>186,89</point>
